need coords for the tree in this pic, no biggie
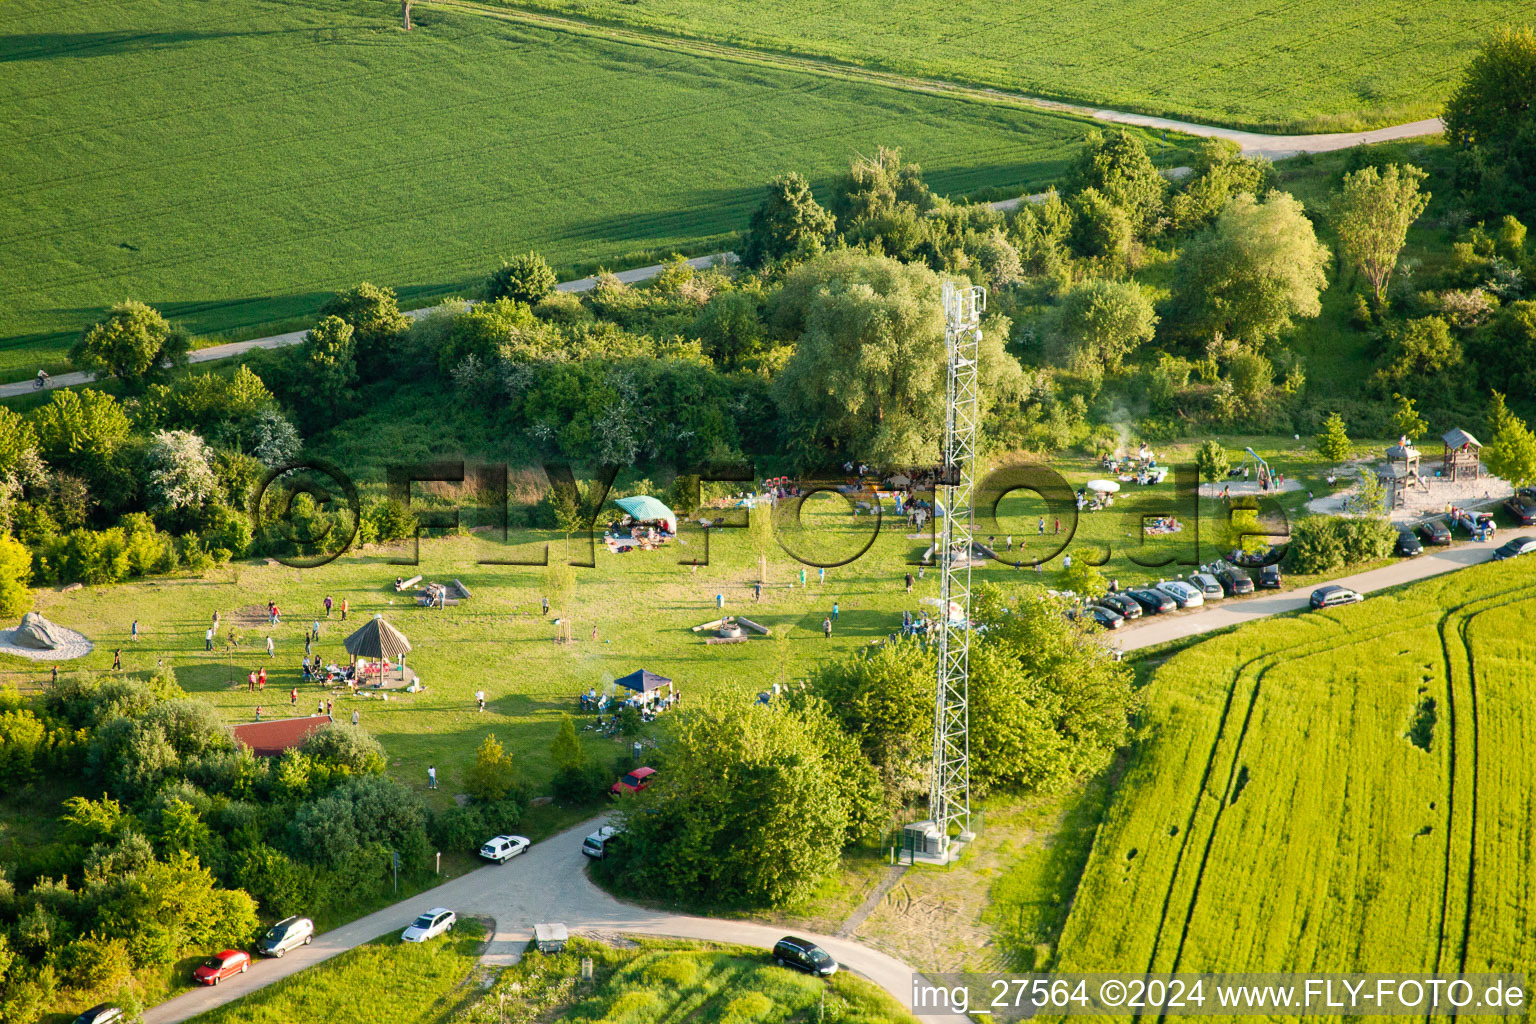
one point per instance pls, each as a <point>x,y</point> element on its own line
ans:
<point>344,748</point>
<point>492,775</point>
<point>1117,166</point>
<point>1333,442</point>
<point>1421,355</point>
<point>1100,229</point>
<point>1491,120</point>
<point>869,360</point>
<point>789,222</point>
<point>1256,269</point>
<point>1083,578</point>
<point>1100,322</point>
<point>1211,460</point>
<point>1372,214</point>
<point>15,574</point>
<point>879,187</point>
<point>883,698</point>
<point>377,325</point>
<point>750,809</point>
<point>565,751</point>
<point>177,470</point>
<point>1511,454</point>
<point>326,372</point>
<point>81,427</point>
<point>1046,706</point>
<point>134,343</point>
<point>730,328</point>
<point>1406,419</point>
<point>526,278</point>
<point>18,445</point>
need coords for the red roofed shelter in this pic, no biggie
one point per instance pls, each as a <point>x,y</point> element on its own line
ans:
<point>270,739</point>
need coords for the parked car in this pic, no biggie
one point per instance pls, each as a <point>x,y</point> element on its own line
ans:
<point>227,964</point>
<point>503,848</point>
<point>1234,581</point>
<point>435,922</point>
<point>1122,604</point>
<point>1184,595</point>
<point>1210,588</point>
<point>806,956</point>
<point>1522,510</point>
<point>633,782</point>
<point>1514,547</point>
<point>1333,596</point>
<point>289,933</point>
<point>1269,577</point>
<point>1408,543</point>
<point>103,1013</point>
<point>1435,532</point>
<point>1153,602</point>
<point>1106,617</point>
<point>597,844</point>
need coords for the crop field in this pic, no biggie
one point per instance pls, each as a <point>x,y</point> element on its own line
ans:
<point>1347,791</point>
<point>1299,66</point>
<point>234,164</point>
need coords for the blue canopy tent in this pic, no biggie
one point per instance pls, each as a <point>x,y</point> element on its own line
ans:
<point>648,510</point>
<point>643,681</point>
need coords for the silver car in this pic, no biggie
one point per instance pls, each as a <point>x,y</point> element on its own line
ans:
<point>289,933</point>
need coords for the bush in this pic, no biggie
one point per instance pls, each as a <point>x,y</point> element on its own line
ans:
<point>1322,544</point>
<point>577,784</point>
<point>526,279</point>
<point>346,749</point>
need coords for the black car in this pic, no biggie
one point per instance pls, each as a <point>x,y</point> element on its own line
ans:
<point>1153,602</point>
<point>1106,617</point>
<point>1234,581</point>
<point>1124,606</point>
<point>1522,510</point>
<point>1408,543</point>
<point>1269,577</point>
<point>1435,532</point>
<point>1514,547</point>
<point>1333,596</point>
<point>806,956</point>
<point>104,1013</point>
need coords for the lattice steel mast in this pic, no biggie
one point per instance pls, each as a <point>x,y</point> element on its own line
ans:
<point>949,794</point>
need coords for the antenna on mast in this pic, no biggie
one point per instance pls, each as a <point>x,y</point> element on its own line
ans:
<point>949,790</point>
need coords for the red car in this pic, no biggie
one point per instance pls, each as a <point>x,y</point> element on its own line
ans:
<point>216,968</point>
<point>634,782</point>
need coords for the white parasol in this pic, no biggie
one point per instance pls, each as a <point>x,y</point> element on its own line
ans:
<point>1104,486</point>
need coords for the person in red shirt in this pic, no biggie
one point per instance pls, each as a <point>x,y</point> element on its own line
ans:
<point>293,697</point>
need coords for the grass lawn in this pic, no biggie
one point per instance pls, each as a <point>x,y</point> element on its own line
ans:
<point>419,982</point>
<point>1329,792</point>
<point>672,980</point>
<point>1307,66</point>
<point>234,165</point>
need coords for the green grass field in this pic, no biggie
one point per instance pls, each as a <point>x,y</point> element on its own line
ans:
<point>423,983</point>
<point>234,165</point>
<point>1329,792</point>
<point>1308,65</point>
<point>674,981</point>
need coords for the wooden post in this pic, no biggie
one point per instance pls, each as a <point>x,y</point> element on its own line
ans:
<point>405,14</point>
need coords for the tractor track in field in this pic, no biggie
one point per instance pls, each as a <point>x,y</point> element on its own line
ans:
<point>1464,622</point>
<point>1269,660</point>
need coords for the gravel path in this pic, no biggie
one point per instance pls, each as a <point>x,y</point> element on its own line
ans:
<point>548,883</point>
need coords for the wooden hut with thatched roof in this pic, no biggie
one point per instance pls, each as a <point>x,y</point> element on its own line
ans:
<point>379,642</point>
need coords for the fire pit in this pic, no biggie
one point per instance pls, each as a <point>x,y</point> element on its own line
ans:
<point>729,631</point>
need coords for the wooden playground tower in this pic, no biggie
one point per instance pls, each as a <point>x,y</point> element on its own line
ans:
<point>1463,456</point>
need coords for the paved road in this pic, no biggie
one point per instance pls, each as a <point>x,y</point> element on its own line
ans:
<point>236,348</point>
<point>1222,614</point>
<point>547,883</point>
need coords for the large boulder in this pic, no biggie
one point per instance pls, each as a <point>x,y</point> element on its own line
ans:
<point>38,633</point>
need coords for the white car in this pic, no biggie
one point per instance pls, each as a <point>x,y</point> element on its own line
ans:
<point>1209,586</point>
<point>1184,595</point>
<point>503,848</point>
<point>435,922</point>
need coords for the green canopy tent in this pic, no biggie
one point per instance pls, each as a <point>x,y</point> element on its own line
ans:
<point>648,510</point>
